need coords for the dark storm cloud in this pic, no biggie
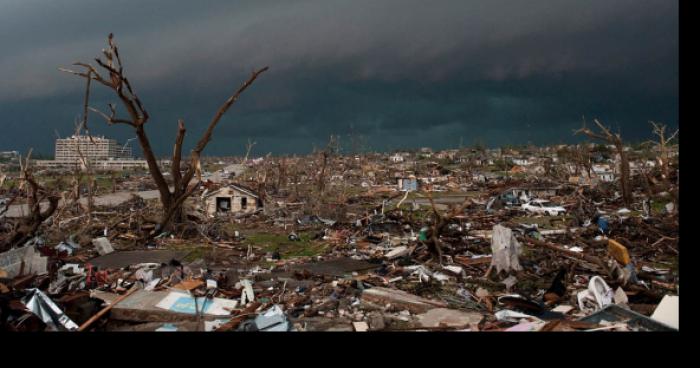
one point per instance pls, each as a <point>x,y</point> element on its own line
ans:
<point>400,72</point>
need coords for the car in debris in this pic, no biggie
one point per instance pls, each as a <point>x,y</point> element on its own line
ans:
<point>505,199</point>
<point>544,207</point>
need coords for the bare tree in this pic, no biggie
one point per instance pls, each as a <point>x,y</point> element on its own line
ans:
<point>330,150</point>
<point>281,175</point>
<point>615,139</point>
<point>439,224</point>
<point>663,148</point>
<point>171,200</point>
<point>27,226</point>
<point>248,148</point>
<point>664,158</point>
<point>580,157</point>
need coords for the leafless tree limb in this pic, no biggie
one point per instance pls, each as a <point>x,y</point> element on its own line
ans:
<point>171,200</point>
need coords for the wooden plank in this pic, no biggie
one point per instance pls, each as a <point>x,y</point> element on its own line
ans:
<point>468,261</point>
<point>402,299</point>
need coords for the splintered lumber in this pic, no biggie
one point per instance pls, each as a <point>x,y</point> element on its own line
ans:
<point>469,261</point>
<point>594,260</point>
<point>106,309</point>
<point>243,315</point>
<point>402,299</point>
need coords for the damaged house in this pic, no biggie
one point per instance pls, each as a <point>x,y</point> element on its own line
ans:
<point>407,184</point>
<point>231,199</point>
<point>533,192</point>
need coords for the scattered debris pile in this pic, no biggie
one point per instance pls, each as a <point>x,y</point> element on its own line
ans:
<point>484,258</point>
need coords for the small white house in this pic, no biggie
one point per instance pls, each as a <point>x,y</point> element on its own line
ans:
<point>522,161</point>
<point>396,158</point>
<point>606,176</point>
<point>231,199</point>
<point>604,173</point>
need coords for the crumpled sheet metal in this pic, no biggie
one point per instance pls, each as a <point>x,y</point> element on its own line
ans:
<point>273,320</point>
<point>43,307</point>
<point>69,277</point>
<point>513,316</point>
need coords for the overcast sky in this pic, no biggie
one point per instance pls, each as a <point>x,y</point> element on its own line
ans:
<point>401,73</point>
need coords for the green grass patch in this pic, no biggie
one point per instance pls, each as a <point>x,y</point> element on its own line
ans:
<point>351,191</point>
<point>299,249</point>
<point>267,240</point>
<point>230,229</point>
<point>305,247</point>
<point>658,207</point>
<point>10,183</point>
<point>197,253</point>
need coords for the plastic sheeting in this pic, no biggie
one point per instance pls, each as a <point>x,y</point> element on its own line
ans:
<point>598,295</point>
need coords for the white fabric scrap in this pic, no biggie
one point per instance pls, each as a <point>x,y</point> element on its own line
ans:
<point>247,295</point>
<point>598,295</point>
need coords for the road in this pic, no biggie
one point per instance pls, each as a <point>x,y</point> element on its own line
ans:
<point>111,199</point>
<point>439,198</point>
<point>236,169</point>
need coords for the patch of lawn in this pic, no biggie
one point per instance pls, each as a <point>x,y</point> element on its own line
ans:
<point>197,253</point>
<point>271,242</point>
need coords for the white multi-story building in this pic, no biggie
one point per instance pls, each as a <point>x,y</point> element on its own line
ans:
<point>68,150</point>
<point>102,153</point>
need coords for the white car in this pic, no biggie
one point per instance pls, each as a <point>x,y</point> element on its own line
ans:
<point>544,207</point>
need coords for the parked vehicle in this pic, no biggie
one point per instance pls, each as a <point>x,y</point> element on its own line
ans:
<point>544,207</point>
<point>505,199</point>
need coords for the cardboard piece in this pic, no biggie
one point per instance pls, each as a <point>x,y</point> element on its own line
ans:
<point>189,284</point>
<point>667,311</point>
<point>360,326</point>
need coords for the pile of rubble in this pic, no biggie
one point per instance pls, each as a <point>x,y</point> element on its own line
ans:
<point>509,254</point>
<point>494,275</point>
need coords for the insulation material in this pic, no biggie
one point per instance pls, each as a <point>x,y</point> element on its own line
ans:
<point>506,250</point>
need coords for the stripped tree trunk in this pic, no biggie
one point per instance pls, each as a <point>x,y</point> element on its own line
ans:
<point>616,140</point>
<point>171,199</point>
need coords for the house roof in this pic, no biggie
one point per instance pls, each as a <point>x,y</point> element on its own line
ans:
<point>237,187</point>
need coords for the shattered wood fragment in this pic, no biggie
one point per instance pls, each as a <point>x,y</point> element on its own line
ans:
<point>401,299</point>
<point>470,261</point>
<point>106,309</point>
